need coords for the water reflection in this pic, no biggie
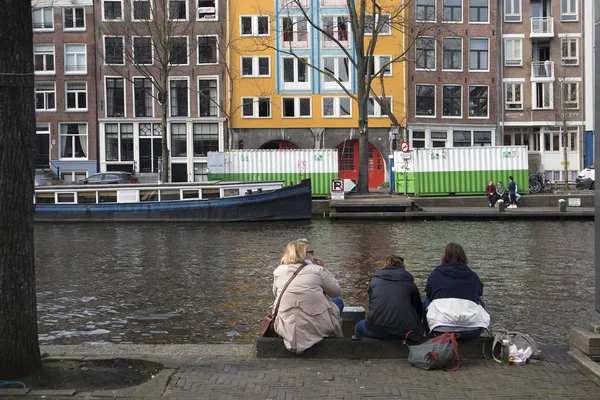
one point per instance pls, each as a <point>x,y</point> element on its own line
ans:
<point>151,283</point>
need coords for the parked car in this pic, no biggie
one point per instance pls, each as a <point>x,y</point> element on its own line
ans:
<point>105,178</point>
<point>586,178</point>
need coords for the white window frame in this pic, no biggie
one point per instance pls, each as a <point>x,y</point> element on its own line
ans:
<point>377,65</point>
<point>46,94</point>
<point>377,111</point>
<point>511,86</point>
<point>133,54</point>
<point>469,103</point>
<point>76,92</point>
<point>189,99</point>
<point>513,15</point>
<point>122,46</point>
<point>431,40</point>
<point>296,107</point>
<point>570,82</point>
<point>255,107</point>
<point>513,58</point>
<point>461,54</point>
<point>433,15</point>
<point>384,32</point>
<point>73,11</point>
<point>571,57</point>
<point>254,25</point>
<point>479,22</point>
<point>141,1</point>
<point>326,42</point>
<point>295,43</point>
<point>488,54</point>
<point>570,14</point>
<point>215,18</point>
<point>42,13</point>
<point>78,69</point>
<point>255,67</point>
<point>550,95</point>
<point>187,11</point>
<point>106,96</point>
<point>134,95</point>
<point>187,52</point>
<point>113,1</point>
<point>434,101</point>
<point>214,102</point>
<point>461,102</point>
<point>296,84</point>
<point>216,50</point>
<point>462,11</point>
<point>336,106</point>
<point>334,85</point>
<point>61,138</point>
<point>44,53</point>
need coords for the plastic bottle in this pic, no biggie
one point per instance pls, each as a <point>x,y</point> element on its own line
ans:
<point>505,351</point>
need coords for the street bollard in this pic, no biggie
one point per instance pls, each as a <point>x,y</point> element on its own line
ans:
<point>350,317</point>
<point>562,205</point>
<point>500,205</point>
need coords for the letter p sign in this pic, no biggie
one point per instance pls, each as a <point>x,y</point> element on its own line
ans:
<point>337,185</point>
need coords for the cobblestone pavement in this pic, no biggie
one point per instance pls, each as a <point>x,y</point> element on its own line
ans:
<point>557,377</point>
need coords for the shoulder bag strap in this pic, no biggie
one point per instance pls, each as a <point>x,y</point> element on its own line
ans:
<point>285,287</point>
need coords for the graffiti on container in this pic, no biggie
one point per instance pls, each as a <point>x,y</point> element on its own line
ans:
<point>436,155</point>
<point>245,158</point>
<point>510,154</point>
<point>318,157</point>
<point>301,166</point>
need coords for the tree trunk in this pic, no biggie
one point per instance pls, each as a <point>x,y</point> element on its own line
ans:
<point>565,143</point>
<point>163,127</point>
<point>19,349</point>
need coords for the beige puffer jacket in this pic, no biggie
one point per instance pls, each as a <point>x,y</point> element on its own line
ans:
<point>306,315</point>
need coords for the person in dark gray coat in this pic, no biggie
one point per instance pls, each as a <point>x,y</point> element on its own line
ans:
<point>395,306</point>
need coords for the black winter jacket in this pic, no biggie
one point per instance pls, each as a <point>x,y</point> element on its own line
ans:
<point>454,280</point>
<point>394,303</point>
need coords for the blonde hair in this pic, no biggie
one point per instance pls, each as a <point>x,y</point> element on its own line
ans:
<point>295,252</point>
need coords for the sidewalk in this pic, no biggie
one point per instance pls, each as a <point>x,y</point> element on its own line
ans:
<point>232,372</point>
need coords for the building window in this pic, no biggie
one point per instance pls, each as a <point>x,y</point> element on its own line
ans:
<point>542,95</point>
<point>339,67</point>
<point>178,140</point>
<point>380,65</point>
<point>295,31</point>
<point>452,10</point>
<point>296,107</point>
<point>478,54</point>
<point>570,95</point>
<point>295,73</point>
<point>452,101</point>
<point>75,58</point>
<point>113,10</point>
<point>74,18</point>
<point>514,96</point>
<point>425,53</point>
<point>512,10</point>
<point>76,94</point>
<point>381,24</point>
<point>452,54</point>
<point>179,98</point>
<point>142,50</point>
<point>425,100</point>
<point>178,10</point>
<point>178,50</point>
<point>142,10</point>
<point>115,97</point>
<point>207,10</point>
<point>208,100</point>
<point>73,141</point>
<point>142,97</point>
<point>513,52</point>
<point>255,25</point>
<point>439,139</point>
<point>337,28</point>
<point>207,50</point>
<point>478,10</point>
<point>425,10</point>
<point>206,138</point>
<point>375,109</point>
<point>570,51</point>
<point>43,58</point>
<point>482,138</point>
<point>119,142</point>
<point>418,139</point>
<point>568,10</point>
<point>478,101</point>
<point>45,96</point>
<point>339,107</point>
<point>43,19</point>
<point>256,66</point>
<point>461,139</point>
<point>256,107</point>
<point>113,50</point>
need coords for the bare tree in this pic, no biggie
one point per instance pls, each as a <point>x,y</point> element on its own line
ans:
<point>19,349</point>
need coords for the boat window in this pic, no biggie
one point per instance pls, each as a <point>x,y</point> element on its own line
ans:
<point>191,194</point>
<point>86,197</point>
<point>107,197</point>
<point>211,193</point>
<point>65,198</point>
<point>148,195</point>
<point>44,198</point>
<point>172,194</point>
<point>231,192</point>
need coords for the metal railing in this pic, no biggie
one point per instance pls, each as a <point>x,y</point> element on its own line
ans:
<point>296,39</point>
<point>542,26</point>
<point>334,3</point>
<point>342,37</point>
<point>542,69</point>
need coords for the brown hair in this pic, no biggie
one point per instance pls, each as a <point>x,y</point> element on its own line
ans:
<point>394,261</point>
<point>454,252</point>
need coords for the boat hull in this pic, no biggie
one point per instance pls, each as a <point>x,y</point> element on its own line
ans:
<point>288,203</point>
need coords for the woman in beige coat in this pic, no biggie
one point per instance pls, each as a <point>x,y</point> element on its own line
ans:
<point>306,314</point>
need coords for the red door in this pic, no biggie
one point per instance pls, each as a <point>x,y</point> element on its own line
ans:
<point>348,163</point>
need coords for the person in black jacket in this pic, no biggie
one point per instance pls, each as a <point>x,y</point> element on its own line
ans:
<point>395,306</point>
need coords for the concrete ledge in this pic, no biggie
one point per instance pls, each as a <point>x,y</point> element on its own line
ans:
<point>585,362</point>
<point>584,335</point>
<point>361,349</point>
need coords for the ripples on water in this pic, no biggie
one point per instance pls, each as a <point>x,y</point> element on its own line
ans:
<point>190,283</point>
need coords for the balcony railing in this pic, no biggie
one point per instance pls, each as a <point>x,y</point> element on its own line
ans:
<point>296,39</point>
<point>334,3</point>
<point>542,26</point>
<point>341,36</point>
<point>542,69</point>
<point>294,3</point>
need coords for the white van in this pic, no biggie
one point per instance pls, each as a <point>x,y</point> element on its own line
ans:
<point>586,178</point>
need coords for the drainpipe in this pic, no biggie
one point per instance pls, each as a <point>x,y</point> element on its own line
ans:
<point>500,59</point>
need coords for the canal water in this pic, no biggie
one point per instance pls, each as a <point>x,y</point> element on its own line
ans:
<point>199,283</point>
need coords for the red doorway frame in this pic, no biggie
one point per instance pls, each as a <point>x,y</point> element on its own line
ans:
<point>348,163</point>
